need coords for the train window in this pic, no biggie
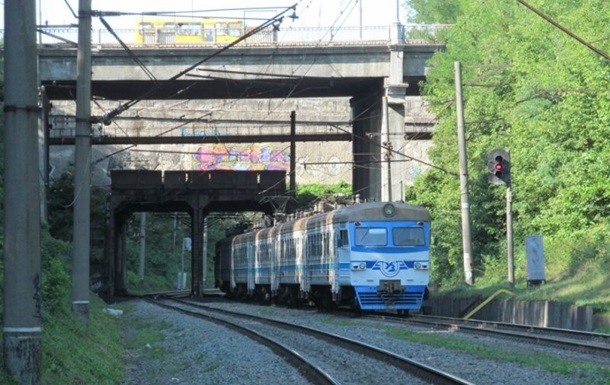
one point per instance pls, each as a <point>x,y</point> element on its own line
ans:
<point>371,236</point>
<point>189,29</point>
<point>408,236</point>
<point>343,241</point>
<point>221,29</point>
<point>146,26</point>
<point>234,29</point>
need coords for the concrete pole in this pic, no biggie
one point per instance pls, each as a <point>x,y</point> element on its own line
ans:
<point>22,327</point>
<point>142,245</point>
<point>466,240</point>
<point>82,166</point>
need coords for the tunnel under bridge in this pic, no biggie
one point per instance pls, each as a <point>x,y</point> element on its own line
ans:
<point>195,192</point>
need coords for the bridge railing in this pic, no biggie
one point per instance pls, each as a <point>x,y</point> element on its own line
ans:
<point>411,34</point>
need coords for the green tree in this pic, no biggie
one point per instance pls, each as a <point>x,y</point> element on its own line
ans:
<point>435,11</point>
<point>533,90</point>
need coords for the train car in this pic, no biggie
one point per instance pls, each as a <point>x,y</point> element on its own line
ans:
<point>188,31</point>
<point>368,256</point>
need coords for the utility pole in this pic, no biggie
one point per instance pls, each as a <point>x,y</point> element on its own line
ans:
<point>82,166</point>
<point>466,240</point>
<point>22,328</point>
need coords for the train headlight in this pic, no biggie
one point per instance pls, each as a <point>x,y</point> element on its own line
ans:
<point>359,266</point>
<point>421,266</point>
<point>389,210</point>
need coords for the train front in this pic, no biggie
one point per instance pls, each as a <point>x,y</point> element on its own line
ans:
<point>389,256</point>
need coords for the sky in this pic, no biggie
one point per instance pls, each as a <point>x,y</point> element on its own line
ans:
<point>312,13</point>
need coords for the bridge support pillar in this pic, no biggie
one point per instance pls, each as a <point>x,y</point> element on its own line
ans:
<point>198,204</point>
<point>393,165</point>
<point>118,264</point>
<point>393,142</point>
<point>366,118</point>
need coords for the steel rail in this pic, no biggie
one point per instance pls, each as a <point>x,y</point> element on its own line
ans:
<point>412,367</point>
<point>573,339</point>
<point>308,370</point>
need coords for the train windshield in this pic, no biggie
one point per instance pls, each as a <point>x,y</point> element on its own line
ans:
<point>408,236</point>
<point>371,236</point>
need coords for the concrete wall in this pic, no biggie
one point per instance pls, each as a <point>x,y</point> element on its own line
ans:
<point>536,313</point>
<point>316,162</point>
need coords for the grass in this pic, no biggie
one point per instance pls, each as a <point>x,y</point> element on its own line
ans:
<point>589,285</point>
<point>75,353</point>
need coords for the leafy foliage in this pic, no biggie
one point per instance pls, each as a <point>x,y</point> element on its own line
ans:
<point>307,194</point>
<point>61,213</point>
<point>435,11</point>
<point>535,91</point>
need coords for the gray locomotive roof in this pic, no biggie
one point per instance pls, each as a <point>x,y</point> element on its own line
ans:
<point>370,211</point>
<point>374,210</point>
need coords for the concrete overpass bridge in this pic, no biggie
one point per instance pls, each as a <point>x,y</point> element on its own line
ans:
<point>375,74</point>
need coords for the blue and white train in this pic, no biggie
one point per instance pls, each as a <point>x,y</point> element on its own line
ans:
<point>369,256</point>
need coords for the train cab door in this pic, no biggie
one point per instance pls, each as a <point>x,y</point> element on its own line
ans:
<point>343,254</point>
<point>301,251</point>
<point>147,33</point>
<point>167,34</point>
<point>250,260</point>
<point>209,33</point>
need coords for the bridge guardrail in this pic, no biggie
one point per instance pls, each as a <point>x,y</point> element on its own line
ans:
<point>411,34</point>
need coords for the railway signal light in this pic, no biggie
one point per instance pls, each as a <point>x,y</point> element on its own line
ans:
<point>498,167</point>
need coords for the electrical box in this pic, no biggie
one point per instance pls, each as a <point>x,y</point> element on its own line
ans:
<point>534,254</point>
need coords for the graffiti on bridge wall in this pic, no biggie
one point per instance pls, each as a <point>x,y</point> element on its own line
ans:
<point>260,157</point>
<point>241,158</point>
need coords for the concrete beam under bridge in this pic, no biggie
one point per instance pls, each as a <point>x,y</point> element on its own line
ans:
<point>378,74</point>
<point>195,192</point>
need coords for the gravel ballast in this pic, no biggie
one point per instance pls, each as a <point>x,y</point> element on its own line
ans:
<point>199,352</point>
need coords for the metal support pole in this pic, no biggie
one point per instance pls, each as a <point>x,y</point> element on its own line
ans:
<point>466,240</point>
<point>509,238</point>
<point>293,158</point>
<point>387,145</point>
<point>22,326</point>
<point>142,245</point>
<point>82,166</point>
<point>205,251</point>
<point>196,248</point>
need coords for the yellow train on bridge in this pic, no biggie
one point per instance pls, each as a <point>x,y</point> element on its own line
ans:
<point>188,31</point>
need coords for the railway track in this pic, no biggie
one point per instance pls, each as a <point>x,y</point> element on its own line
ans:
<point>594,343</point>
<point>302,354</point>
